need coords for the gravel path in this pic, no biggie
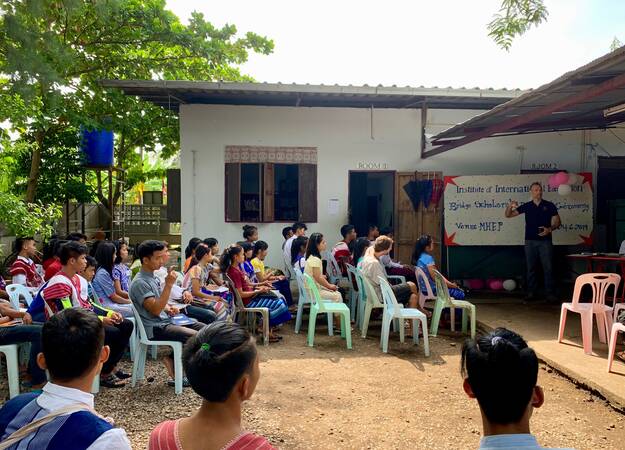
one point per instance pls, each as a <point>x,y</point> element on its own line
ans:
<point>329,397</point>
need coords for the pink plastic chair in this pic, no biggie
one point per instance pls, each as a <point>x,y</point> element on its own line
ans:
<point>600,283</point>
<point>616,328</point>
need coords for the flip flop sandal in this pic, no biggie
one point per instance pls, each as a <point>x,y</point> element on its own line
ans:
<point>112,382</point>
<point>172,383</point>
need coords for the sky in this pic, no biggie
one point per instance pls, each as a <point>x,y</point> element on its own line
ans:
<point>413,43</point>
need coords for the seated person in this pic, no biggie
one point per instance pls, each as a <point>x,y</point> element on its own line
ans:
<point>299,229</point>
<point>360,247</point>
<point>189,252</point>
<point>246,265</point>
<point>195,282</point>
<point>68,289</point>
<point>405,293</point>
<point>54,266</point>
<point>152,302</point>
<point>287,232</point>
<point>250,233</point>
<point>395,268</point>
<point>422,258</point>
<point>23,270</point>
<point>341,250</point>
<point>259,297</point>
<point>373,233</point>
<point>279,283</point>
<point>104,284</point>
<point>24,331</point>
<point>121,272</point>
<point>214,272</point>
<point>73,353</point>
<point>501,372</point>
<point>298,253</point>
<point>222,364</point>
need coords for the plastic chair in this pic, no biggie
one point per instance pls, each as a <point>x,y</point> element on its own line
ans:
<point>11,352</point>
<point>354,294</point>
<point>393,310</point>
<point>444,300</point>
<point>600,283</point>
<point>17,291</point>
<point>318,306</point>
<point>368,301</point>
<point>422,279</point>
<point>616,328</point>
<point>138,367</point>
<point>239,307</point>
<point>304,299</point>
<point>335,275</point>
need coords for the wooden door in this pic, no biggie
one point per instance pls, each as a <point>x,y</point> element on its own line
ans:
<point>412,224</point>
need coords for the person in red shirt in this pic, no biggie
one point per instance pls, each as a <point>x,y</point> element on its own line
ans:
<point>222,365</point>
<point>341,250</point>
<point>54,266</point>
<point>23,270</point>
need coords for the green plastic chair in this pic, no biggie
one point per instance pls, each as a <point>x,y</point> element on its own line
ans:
<point>369,301</point>
<point>444,300</point>
<point>318,306</point>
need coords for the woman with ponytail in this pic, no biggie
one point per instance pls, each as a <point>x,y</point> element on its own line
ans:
<point>423,259</point>
<point>501,372</point>
<point>254,297</point>
<point>222,365</point>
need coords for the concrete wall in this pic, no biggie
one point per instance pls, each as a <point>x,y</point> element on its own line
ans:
<point>346,139</point>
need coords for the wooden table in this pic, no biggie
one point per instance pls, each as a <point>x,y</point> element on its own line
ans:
<point>595,263</point>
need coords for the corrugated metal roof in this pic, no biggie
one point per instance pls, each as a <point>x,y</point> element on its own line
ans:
<point>170,94</point>
<point>576,100</point>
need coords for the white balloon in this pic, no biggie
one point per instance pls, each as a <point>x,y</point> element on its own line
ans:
<point>564,189</point>
<point>509,285</point>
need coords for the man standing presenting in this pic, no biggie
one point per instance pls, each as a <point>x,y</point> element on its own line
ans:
<point>541,219</point>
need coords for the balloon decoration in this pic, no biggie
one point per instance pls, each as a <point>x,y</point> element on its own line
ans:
<point>564,189</point>
<point>561,178</point>
<point>496,285</point>
<point>552,182</point>
<point>476,284</point>
<point>509,285</point>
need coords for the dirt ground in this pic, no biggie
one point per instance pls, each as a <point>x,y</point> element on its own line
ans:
<point>329,397</point>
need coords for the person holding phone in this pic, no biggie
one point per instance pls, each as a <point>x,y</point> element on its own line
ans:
<point>541,220</point>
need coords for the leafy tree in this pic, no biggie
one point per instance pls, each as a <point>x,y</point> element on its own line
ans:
<point>53,54</point>
<point>28,219</point>
<point>515,17</point>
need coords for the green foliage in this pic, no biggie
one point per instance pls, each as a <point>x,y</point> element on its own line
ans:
<point>514,18</point>
<point>28,219</point>
<point>53,54</point>
<point>616,43</point>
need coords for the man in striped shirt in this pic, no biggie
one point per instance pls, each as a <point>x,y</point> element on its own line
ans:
<point>23,270</point>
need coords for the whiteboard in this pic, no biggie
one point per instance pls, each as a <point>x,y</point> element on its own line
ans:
<point>475,207</point>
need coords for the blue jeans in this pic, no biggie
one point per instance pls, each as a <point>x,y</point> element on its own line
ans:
<point>203,315</point>
<point>536,251</point>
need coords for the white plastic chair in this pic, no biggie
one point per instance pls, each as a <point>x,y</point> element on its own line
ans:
<point>11,352</point>
<point>17,291</point>
<point>239,307</point>
<point>368,301</point>
<point>616,328</point>
<point>138,367</point>
<point>393,310</point>
<point>304,299</point>
<point>422,279</point>
<point>600,283</point>
<point>335,276</point>
<point>445,300</point>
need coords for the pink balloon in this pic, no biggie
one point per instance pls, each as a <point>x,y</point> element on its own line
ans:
<point>496,285</point>
<point>553,184</point>
<point>476,284</point>
<point>561,178</point>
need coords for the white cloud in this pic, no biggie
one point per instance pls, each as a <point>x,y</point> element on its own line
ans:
<point>442,43</point>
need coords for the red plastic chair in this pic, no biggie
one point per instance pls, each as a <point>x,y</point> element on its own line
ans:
<point>600,283</point>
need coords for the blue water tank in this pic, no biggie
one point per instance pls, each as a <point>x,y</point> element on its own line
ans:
<point>97,146</point>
